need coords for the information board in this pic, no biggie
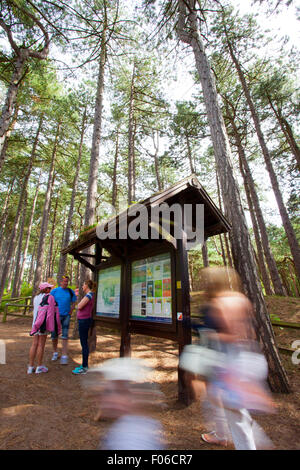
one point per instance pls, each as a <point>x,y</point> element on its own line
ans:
<point>151,293</point>
<point>108,295</point>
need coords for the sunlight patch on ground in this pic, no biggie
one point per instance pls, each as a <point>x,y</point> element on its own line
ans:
<point>23,335</point>
<point>15,410</point>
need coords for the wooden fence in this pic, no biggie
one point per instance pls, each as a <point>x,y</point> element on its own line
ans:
<point>27,306</point>
<point>19,303</point>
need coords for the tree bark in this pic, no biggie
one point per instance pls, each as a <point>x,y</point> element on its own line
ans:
<point>115,186</point>
<point>31,268</point>
<point>7,135</point>
<point>45,217</point>
<point>228,253</point>
<point>67,233</point>
<point>260,255</point>
<point>131,149</point>
<point>287,131</point>
<point>5,212</point>
<point>275,277</point>
<point>240,240</point>
<point>190,157</point>
<point>156,163</point>
<point>22,55</point>
<point>19,248</point>
<point>289,230</point>
<point>49,271</point>
<point>12,266</point>
<point>11,96</point>
<point>261,236</point>
<point>7,262</point>
<point>90,211</point>
<point>30,223</point>
<point>205,255</point>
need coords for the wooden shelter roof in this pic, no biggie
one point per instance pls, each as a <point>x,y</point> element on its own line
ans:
<point>187,191</point>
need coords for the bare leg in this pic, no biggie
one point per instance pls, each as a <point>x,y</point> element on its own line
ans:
<point>33,349</point>
<point>54,344</point>
<point>40,349</point>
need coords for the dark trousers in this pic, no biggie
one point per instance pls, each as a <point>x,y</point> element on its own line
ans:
<point>83,328</point>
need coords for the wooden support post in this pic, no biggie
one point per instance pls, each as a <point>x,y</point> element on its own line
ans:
<point>92,338</point>
<point>125,309</point>
<point>183,307</point>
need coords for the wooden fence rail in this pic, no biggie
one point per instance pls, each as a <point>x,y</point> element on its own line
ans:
<point>14,302</point>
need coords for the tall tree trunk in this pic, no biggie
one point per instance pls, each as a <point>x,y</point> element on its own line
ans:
<point>7,262</point>
<point>49,263</point>
<point>5,212</point>
<point>7,135</point>
<point>291,139</point>
<point>220,236</point>
<point>156,162</point>
<point>32,264</point>
<point>260,255</point>
<point>11,96</point>
<point>115,186</point>
<point>12,267</point>
<point>45,217</point>
<point>67,231</point>
<point>90,211</point>
<point>287,131</point>
<point>190,156</point>
<point>19,249</point>
<point>240,240</point>
<point>131,143</point>
<point>246,172</point>
<point>18,289</point>
<point>225,238</point>
<point>228,253</point>
<point>289,230</point>
<point>205,255</point>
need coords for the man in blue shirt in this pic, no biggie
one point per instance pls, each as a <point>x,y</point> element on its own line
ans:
<point>65,298</point>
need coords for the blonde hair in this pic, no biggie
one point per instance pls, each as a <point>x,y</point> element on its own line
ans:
<point>219,279</point>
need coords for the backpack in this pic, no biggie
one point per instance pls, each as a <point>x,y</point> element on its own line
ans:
<point>71,293</point>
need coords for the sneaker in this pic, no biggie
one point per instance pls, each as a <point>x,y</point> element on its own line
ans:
<point>64,360</point>
<point>80,370</point>
<point>55,356</point>
<point>41,369</point>
<point>30,370</point>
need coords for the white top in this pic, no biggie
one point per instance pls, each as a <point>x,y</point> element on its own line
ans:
<point>36,302</point>
<point>134,432</point>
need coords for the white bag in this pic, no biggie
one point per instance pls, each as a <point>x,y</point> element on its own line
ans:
<point>200,360</point>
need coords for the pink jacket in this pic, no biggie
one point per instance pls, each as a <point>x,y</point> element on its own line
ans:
<point>47,319</point>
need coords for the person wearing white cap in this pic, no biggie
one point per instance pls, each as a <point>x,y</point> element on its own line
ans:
<point>126,398</point>
<point>45,318</point>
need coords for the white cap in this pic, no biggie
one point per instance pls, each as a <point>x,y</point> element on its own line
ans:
<point>123,368</point>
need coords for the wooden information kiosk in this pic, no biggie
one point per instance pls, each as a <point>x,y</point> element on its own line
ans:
<point>143,286</point>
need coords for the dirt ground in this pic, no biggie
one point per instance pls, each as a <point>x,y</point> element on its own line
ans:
<point>52,412</point>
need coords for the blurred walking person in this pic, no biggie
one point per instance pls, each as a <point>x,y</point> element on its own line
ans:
<point>239,378</point>
<point>128,399</point>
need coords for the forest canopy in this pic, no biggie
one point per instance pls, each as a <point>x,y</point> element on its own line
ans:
<point>103,105</point>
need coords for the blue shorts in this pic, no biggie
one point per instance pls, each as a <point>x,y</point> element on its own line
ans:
<point>65,323</point>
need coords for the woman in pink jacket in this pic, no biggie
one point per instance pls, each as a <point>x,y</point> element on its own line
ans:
<point>45,321</point>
